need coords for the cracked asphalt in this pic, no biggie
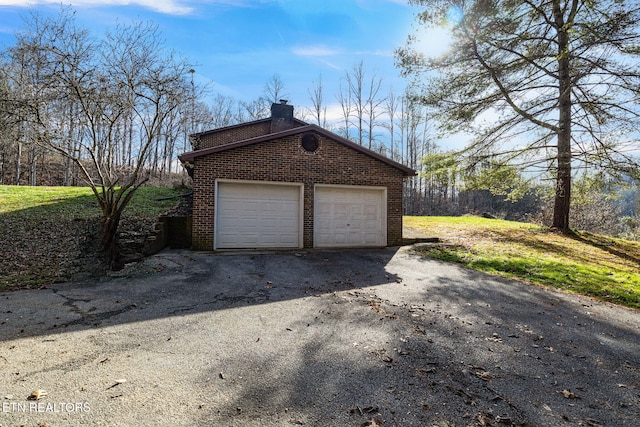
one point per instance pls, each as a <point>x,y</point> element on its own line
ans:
<point>317,338</point>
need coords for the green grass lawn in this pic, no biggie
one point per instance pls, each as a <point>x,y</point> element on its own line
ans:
<point>601,267</point>
<point>46,232</point>
<point>79,199</point>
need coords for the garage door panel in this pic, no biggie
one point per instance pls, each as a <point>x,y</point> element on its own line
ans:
<point>371,211</point>
<point>270,223</point>
<point>255,215</point>
<point>340,238</point>
<point>371,238</point>
<point>290,207</point>
<point>323,208</point>
<point>355,225</point>
<point>350,216</point>
<point>270,207</point>
<point>340,210</point>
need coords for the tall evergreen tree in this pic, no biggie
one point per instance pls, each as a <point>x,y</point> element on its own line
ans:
<point>555,82</point>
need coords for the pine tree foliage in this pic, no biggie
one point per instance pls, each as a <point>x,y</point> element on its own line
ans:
<point>553,83</point>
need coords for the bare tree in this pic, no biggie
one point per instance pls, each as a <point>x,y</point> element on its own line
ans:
<point>24,74</point>
<point>7,125</point>
<point>391,110</point>
<point>355,85</point>
<point>344,99</point>
<point>316,96</point>
<point>253,110</point>
<point>274,90</point>
<point>222,111</point>
<point>127,79</point>
<point>373,108</point>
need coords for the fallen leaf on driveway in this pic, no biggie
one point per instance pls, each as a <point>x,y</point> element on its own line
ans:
<point>503,420</point>
<point>483,420</point>
<point>37,394</point>
<point>484,375</point>
<point>118,382</point>
<point>361,411</point>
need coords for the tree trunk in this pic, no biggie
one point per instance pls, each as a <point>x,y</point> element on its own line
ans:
<point>18,165</point>
<point>563,186</point>
<point>110,244</point>
<point>113,202</point>
<point>563,178</point>
<point>2,167</point>
<point>33,167</point>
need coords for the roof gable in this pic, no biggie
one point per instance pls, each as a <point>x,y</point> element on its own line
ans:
<point>199,135</point>
<point>190,156</point>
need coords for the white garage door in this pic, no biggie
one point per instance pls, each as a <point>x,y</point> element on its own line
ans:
<point>256,215</point>
<point>349,217</point>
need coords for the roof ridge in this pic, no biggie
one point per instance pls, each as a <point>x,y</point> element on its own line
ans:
<point>237,125</point>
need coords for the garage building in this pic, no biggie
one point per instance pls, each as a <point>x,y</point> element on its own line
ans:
<point>283,183</point>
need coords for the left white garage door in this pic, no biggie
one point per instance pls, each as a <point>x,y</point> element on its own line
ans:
<point>257,215</point>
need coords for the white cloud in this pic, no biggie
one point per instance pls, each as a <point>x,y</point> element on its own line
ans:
<point>384,53</point>
<point>170,7</point>
<point>331,65</point>
<point>22,3</point>
<point>315,51</point>
<point>367,3</point>
<point>335,114</point>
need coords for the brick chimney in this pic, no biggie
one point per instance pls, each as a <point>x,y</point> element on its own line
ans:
<point>281,116</point>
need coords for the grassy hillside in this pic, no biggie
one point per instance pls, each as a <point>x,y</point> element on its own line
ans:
<point>49,233</point>
<point>601,267</point>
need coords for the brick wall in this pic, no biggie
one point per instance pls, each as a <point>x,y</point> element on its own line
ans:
<point>284,160</point>
<point>237,133</point>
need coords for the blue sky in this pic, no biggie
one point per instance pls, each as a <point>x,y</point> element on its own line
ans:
<point>237,45</point>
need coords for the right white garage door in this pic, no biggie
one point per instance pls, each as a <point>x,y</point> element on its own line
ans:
<point>349,216</point>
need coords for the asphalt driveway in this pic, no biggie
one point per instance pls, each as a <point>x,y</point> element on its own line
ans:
<point>316,338</point>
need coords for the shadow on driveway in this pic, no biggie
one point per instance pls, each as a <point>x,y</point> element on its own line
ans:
<point>176,283</point>
<point>320,338</point>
